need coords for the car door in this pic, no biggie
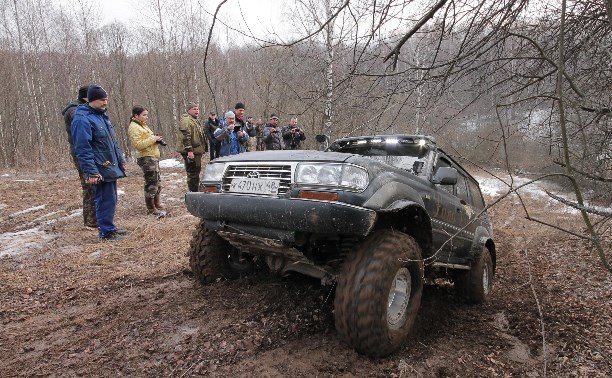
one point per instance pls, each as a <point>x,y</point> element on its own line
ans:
<point>444,209</point>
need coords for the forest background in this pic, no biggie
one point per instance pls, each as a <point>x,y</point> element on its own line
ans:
<point>518,84</point>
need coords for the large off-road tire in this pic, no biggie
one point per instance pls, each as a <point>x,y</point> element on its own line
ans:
<point>211,257</point>
<point>379,293</point>
<point>475,284</point>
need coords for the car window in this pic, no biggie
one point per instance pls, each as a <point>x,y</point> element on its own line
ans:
<point>442,162</point>
<point>477,200</point>
<point>461,187</point>
<point>407,156</point>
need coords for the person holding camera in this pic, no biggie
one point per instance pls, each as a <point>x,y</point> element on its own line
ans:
<point>272,138</point>
<point>147,156</point>
<point>231,136</point>
<point>293,135</point>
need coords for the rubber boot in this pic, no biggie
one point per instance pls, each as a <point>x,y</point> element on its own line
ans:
<point>151,206</point>
<point>157,201</point>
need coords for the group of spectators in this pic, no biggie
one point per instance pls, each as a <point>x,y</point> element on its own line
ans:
<point>231,135</point>
<point>100,162</point>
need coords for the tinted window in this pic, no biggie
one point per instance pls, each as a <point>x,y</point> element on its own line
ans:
<point>408,156</point>
<point>477,200</point>
<point>442,162</point>
<point>462,189</point>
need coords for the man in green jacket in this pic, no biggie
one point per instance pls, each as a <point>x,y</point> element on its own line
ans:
<point>191,143</point>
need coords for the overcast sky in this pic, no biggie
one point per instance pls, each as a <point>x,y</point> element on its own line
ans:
<point>258,12</point>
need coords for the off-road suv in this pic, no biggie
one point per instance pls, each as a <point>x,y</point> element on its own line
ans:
<point>374,214</point>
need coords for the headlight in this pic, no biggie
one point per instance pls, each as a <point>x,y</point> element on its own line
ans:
<point>213,172</point>
<point>332,174</point>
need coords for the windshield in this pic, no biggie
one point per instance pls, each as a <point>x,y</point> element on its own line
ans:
<point>409,156</point>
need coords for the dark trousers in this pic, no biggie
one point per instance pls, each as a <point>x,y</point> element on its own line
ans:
<point>215,149</point>
<point>193,168</point>
<point>89,198</point>
<point>106,204</point>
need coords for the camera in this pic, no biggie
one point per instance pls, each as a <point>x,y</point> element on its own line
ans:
<point>161,142</point>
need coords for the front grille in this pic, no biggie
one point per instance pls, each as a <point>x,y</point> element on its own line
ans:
<point>272,172</point>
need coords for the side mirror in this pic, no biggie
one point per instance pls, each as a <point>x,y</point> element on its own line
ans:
<point>445,176</point>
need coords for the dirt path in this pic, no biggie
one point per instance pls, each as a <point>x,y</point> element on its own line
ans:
<point>71,305</point>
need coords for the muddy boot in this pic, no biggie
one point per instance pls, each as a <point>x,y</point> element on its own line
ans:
<point>157,201</point>
<point>151,206</point>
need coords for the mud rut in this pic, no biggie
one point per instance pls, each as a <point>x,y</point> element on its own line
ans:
<point>72,306</point>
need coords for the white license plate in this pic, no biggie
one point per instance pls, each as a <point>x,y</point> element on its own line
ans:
<point>254,186</point>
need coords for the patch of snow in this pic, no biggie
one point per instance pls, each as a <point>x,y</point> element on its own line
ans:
<point>31,209</point>
<point>25,180</point>
<point>15,243</point>
<point>120,191</point>
<point>170,163</point>
<point>5,175</point>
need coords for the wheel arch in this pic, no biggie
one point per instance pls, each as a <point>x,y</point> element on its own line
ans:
<point>410,218</point>
<point>482,238</point>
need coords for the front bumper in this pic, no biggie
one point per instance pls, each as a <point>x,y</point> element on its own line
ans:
<point>290,214</point>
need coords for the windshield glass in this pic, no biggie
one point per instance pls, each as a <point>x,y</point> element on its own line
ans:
<point>407,155</point>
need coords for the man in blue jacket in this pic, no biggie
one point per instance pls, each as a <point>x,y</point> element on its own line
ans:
<point>100,158</point>
<point>232,138</point>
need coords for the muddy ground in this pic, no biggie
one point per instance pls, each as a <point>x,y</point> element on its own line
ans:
<point>71,305</point>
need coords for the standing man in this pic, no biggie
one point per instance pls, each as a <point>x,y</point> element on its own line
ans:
<point>252,131</point>
<point>259,127</point>
<point>271,134</point>
<point>89,196</point>
<point>191,143</point>
<point>233,140</point>
<point>212,124</point>
<point>239,121</point>
<point>100,158</point>
<point>293,135</point>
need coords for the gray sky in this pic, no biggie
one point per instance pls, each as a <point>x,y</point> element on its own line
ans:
<point>259,12</point>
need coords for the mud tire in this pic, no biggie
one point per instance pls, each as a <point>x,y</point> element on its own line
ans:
<point>363,293</point>
<point>212,258</point>
<point>475,285</point>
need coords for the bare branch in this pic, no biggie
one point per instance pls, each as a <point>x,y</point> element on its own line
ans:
<point>396,50</point>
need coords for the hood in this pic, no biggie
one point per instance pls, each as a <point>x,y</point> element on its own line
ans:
<point>287,155</point>
<point>73,104</point>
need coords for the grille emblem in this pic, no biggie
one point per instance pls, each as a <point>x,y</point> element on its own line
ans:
<point>253,174</point>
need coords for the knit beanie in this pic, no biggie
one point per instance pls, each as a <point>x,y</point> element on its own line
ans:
<point>239,105</point>
<point>229,114</point>
<point>83,92</point>
<point>96,92</point>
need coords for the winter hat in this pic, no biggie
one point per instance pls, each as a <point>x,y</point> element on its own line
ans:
<point>191,105</point>
<point>229,114</point>
<point>96,92</point>
<point>273,115</point>
<point>239,105</point>
<point>83,92</point>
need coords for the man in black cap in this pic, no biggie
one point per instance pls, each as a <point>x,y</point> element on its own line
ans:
<point>100,158</point>
<point>239,121</point>
<point>89,199</point>
<point>212,124</point>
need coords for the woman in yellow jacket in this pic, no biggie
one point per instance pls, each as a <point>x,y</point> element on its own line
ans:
<point>147,156</point>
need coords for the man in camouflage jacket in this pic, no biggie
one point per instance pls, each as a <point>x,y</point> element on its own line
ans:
<point>191,143</point>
